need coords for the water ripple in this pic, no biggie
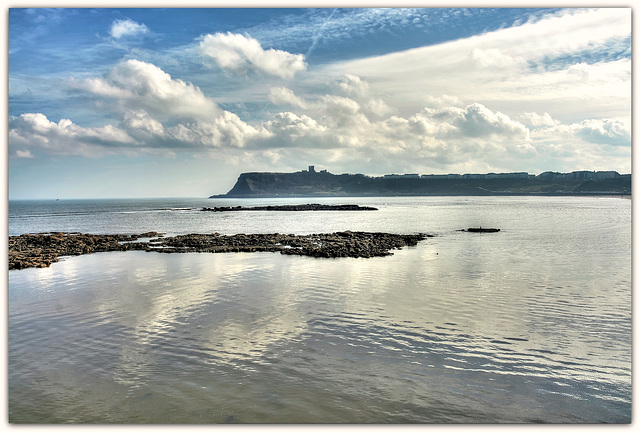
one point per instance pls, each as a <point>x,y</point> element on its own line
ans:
<point>457,329</point>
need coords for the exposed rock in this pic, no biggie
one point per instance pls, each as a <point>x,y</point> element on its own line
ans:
<point>299,207</point>
<point>40,250</point>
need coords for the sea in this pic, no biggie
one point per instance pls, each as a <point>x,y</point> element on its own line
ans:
<point>532,324</point>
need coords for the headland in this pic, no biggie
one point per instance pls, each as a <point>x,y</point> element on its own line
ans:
<point>312,183</point>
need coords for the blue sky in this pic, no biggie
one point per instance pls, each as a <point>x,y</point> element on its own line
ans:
<point>178,102</point>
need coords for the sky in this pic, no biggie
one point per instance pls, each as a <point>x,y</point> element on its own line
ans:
<point>170,102</point>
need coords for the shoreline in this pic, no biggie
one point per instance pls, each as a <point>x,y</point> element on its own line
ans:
<point>43,249</point>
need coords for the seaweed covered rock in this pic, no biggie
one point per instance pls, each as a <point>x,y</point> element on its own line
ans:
<point>40,250</point>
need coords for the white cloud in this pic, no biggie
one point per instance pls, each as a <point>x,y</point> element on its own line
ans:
<point>240,54</point>
<point>476,120</point>
<point>225,131</point>
<point>140,125</point>
<point>611,132</point>
<point>441,101</point>
<point>536,120</point>
<point>377,108</point>
<point>159,112</point>
<point>605,131</point>
<point>335,131</point>
<point>294,125</point>
<point>445,139</point>
<point>353,86</point>
<point>282,95</point>
<point>34,130</point>
<point>339,131</point>
<point>122,28</point>
<point>138,132</point>
<point>358,91</point>
<point>339,106</point>
<point>100,87</point>
<point>290,130</point>
<point>495,59</point>
<point>139,85</point>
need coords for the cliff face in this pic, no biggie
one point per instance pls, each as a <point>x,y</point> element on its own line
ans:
<point>299,184</point>
<point>324,184</point>
<point>244,186</point>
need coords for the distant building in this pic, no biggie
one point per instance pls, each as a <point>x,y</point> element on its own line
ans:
<point>439,176</point>
<point>547,175</point>
<point>552,175</point>
<point>582,175</point>
<point>312,169</point>
<point>402,176</point>
<point>599,175</point>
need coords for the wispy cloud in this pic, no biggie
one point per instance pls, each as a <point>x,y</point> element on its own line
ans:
<point>23,154</point>
<point>494,67</point>
<point>33,24</point>
<point>327,26</point>
<point>318,35</point>
<point>345,27</point>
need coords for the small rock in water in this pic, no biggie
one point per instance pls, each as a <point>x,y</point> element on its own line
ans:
<point>482,230</point>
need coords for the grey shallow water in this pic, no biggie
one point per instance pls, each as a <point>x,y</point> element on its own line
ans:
<point>532,324</point>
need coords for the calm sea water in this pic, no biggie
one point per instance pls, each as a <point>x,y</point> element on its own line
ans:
<point>531,324</point>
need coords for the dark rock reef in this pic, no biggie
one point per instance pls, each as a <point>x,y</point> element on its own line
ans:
<point>292,208</point>
<point>40,250</point>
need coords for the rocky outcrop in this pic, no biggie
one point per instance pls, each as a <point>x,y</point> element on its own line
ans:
<point>292,208</point>
<point>340,244</point>
<point>40,250</point>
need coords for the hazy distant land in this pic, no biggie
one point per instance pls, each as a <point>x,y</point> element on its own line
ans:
<point>311,183</point>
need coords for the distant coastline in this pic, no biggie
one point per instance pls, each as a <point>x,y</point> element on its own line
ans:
<point>311,183</point>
